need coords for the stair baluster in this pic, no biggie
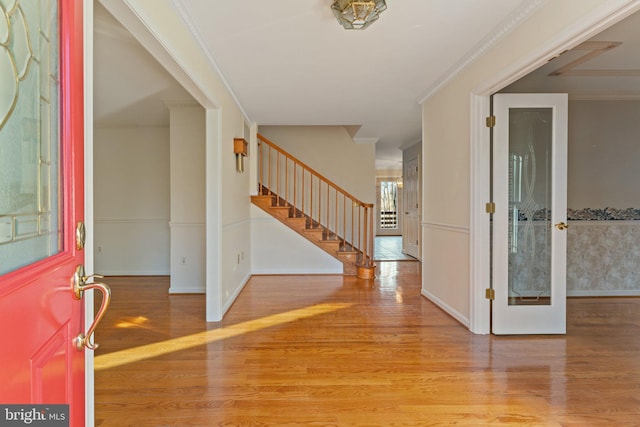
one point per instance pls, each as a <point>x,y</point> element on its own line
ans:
<point>289,196</point>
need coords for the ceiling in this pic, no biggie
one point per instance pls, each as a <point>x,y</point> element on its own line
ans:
<point>606,67</point>
<point>293,65</point>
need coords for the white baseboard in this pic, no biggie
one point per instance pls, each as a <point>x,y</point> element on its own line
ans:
<point>446,308</point>
<point>284,272</point>
<point>233,297</point>
<point>605,293</point>
<point>186,291</point>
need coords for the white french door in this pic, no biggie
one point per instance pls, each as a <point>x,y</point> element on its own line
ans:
<point>411,200</point>
<point>529,223</point>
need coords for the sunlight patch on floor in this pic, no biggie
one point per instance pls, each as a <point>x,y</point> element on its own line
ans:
<point>137,354</point>
<point>133,322</point>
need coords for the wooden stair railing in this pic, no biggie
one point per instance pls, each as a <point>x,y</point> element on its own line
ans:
<point>316,207</point>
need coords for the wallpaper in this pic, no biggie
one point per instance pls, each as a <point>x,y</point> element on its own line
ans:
<point>603,253</point>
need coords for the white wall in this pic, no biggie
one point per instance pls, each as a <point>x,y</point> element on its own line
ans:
<point>604,154</point>
<point>277,249</point>
<point>131,201</point>
<point>603,253</point>
<point>160,28</point>
<point>447,131</point>
<point>330,151</point>
<point>187,198</point>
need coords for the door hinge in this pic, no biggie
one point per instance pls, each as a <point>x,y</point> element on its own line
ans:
<point>490,207</point>
<point>491,121</point>
<point>490,294</point>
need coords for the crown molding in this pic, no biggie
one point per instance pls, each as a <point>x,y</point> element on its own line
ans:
<point>500,31</point>
<point>366,140</point>
<point>410,144</point>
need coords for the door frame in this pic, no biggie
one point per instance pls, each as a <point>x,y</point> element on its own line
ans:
<point>399,201</point>
<point>87,26</point>
<point>479,150</point>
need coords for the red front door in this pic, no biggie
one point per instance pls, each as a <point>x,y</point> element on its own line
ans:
<point>41,202</point>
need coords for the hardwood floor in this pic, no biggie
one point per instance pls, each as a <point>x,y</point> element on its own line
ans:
<point>389,248</point>
<point>336,351</point>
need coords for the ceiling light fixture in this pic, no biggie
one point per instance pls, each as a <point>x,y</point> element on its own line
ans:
<point>357,15</point>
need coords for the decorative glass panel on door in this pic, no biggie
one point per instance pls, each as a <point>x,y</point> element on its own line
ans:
<point>530,144</point>
<point>29,133</point>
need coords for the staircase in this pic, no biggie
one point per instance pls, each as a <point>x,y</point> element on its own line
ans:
<point>315,208</point>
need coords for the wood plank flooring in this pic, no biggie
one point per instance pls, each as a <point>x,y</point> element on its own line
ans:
<point>389,248</point>
<point>338,351</point>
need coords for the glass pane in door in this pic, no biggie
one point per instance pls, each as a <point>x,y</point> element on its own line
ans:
<point>530,178</point>
<point>29,133</point>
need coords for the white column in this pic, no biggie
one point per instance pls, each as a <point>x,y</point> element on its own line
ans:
<point>187,177</point>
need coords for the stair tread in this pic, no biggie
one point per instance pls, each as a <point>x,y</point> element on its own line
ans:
<point>312,229</point>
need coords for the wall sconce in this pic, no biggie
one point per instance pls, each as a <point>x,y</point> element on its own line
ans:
<point>240,149</point>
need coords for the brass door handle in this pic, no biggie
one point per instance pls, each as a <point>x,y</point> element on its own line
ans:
<point>562,226</point>
<point>79,283</point>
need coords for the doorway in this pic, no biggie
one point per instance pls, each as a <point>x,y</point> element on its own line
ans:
<point>388,206</point>
<point>480,230</point>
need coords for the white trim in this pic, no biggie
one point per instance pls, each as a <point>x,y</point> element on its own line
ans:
<point>366,140</point>
<point>187,224</point>
<point>235,295</point>
<point>446,308</point>
<point>213,229</point>
<point>445,227</point>
<point>605,293</point>
<point>196,290</point>
<point>480,99</point>
<point>410,144</point>
<point>295,272</point>
<point>243,222</point>
<point>479,231</point>
<point>89,215</point>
